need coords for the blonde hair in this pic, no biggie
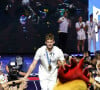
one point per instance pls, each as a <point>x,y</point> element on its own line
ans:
<point>49,36</point>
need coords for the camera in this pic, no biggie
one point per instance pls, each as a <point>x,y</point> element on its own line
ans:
<point>14,68</point>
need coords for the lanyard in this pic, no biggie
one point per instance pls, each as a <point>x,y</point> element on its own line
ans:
<point>91,25</point>
<point>49,60</point>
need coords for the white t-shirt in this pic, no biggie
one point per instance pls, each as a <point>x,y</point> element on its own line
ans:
<point>78,24</point>
<point>3,78</point>
<point>55,55</point>
<point>81,33</point>
<point>63,26</point>
<point>97,79</point>
<point>91,29</point>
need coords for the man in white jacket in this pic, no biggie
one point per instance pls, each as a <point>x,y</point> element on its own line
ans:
<point>91,33</point>
<point>49,56</point>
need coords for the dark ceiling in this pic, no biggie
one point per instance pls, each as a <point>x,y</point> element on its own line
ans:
<point>14,40</point>
<point>50,2</point>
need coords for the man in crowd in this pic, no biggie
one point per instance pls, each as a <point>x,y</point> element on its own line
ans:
<point>91,33</point>
<point>64,24</point>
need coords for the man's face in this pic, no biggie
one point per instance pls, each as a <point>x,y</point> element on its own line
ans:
<point>65,14</point>
<point>91,18</point>
<point>49,43</point>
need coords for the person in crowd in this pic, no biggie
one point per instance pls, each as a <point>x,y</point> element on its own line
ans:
<point>16,68</point>
<point>64,25</point>
<point>91,33</point>
<point>80,28</point>
<point>97,78</point>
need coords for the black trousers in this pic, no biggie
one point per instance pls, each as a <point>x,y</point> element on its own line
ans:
<point>62,43</point>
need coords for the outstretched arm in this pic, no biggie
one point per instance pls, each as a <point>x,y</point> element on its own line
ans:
<point>31,68</point>
<point>22,73</point>
<point>7,69</point>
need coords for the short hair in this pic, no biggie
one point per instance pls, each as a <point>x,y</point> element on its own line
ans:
<point>49,36</point>
<point>91,15</point>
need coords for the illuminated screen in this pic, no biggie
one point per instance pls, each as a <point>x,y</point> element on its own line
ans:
<point>94,7</point>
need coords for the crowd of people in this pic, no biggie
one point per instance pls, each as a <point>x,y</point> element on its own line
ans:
<point>85,30</point>
<point>52,57</point>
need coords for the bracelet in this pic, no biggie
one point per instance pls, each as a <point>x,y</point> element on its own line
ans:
<point>94,83</point>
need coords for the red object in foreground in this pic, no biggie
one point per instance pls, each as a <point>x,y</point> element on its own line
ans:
<point>33,78</point>
<point>73,71</point>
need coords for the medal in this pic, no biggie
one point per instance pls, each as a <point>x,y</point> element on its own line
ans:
<point>49,60</point>
<point>49,67</point>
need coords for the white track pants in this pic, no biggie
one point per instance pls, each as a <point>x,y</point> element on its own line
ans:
<point>94,43</point>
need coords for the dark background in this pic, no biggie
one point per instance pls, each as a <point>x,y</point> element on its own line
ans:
<point>13,40</point>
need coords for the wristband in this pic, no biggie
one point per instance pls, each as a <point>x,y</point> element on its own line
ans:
<point>94,82</point>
